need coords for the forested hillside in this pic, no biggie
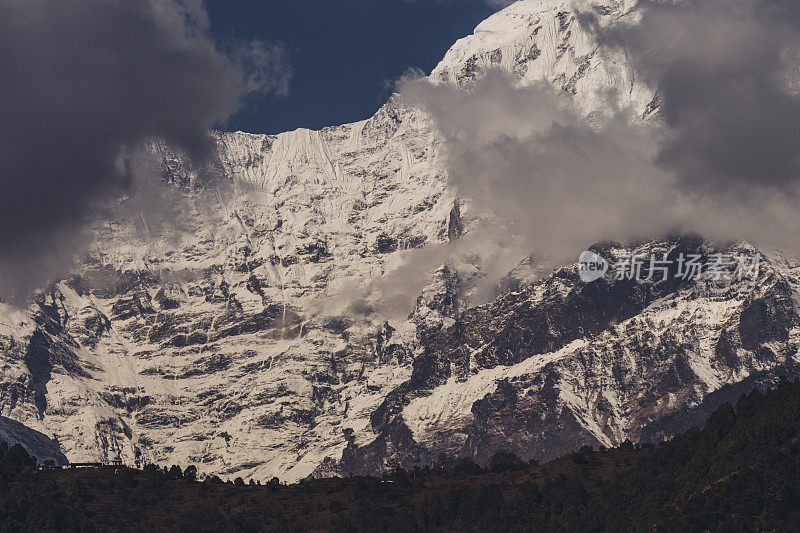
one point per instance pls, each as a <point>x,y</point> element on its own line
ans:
<point>741,472</point>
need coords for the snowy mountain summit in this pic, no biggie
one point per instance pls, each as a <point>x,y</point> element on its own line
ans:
<point>281,331</point>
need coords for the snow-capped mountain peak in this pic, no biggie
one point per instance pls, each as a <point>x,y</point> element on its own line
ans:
<point>249,344</point>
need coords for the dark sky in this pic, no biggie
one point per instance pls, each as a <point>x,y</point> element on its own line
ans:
<point>345,53</point>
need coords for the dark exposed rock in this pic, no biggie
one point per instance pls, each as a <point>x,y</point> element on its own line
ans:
<point>52,315</point>
<point>383,125</point>
<point>672,423</point>
<point>169,296</point>
<point>77,284</point>
<point>441,300</point>
<point>151,418</point>
<point>315,252</point>
<point>653,109</point>
<point>165,327</point>
<point>209,365</point>
<point>255,285</point>
<point>564,20</point>
<point>35,442</point>
<point>455,226</point>
<point>274,316</point>
<point>302,417</point>
<point>371,459</point>
<point>43,356</point>
<point>197,337</point>
<point>526,425</point>
<point>413,242</point>
<point>385,244</point>
<point>469,72</point>
<point>769,318</point>
<point>138,304</point>
<point>524,59</point>
<point>337,325</point>
<point>398,353</point>
<point>96,324</point>
<point>285,261</point>
<point>218,294</point>
<point>126,400</point>
<point>106,282</point>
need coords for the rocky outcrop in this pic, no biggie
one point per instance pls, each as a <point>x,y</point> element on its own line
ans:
<point>561,363</point>
<point>40,445</point>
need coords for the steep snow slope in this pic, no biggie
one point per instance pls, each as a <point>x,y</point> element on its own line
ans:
<point>543,40</point>
<point>248,342</point>
<point>231,344</point>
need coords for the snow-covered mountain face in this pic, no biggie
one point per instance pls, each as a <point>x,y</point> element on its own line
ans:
<point>538,40</point>
<point>250,342</point>
<point>235,346</point>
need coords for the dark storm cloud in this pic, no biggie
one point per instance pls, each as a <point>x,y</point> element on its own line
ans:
<point>726,73</point>
<point>86,81</point>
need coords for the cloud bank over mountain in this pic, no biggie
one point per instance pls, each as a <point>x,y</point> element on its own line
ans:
<point>715,152</point>
<point>727,75</point>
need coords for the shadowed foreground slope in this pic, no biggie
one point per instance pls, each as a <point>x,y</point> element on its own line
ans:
<point>740,472</point>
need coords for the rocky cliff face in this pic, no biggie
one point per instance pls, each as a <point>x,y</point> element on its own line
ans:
<point>249,333</point>
<point>560,363</point>
<point>241,343</point>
